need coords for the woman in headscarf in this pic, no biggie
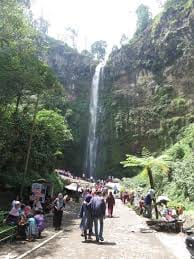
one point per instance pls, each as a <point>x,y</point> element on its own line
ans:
<point>14,213</point>
<point>58,207</point>
<point>86,217</point>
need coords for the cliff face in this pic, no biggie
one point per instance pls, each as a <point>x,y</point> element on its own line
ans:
<point>148,93</point>
<point>75,72</point>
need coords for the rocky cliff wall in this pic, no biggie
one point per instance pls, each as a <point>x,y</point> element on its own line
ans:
<point>148,93</point>
<point>75,72</point>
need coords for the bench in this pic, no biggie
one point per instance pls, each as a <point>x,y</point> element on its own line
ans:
<point>6,232</point>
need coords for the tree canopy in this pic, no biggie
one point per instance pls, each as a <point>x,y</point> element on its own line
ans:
<point>27,82</point>
<point>98,49</point>
<point>143,18</point>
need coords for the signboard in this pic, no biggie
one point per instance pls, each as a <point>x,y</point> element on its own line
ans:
<point>39,191</point>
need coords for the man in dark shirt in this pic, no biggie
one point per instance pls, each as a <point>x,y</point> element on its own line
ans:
<point>98,209</point>
<point>148,203</point>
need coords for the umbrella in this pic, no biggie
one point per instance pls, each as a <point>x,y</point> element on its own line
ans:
<point>162,198</point>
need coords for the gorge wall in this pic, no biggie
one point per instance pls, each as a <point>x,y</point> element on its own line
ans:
<point>75,72</point>
<point>148,91</point>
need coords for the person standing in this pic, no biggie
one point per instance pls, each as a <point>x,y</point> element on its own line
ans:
<point>148,203</point>
<point>98,209</point>
<point>36,206</point>
<point>110,201</point>
<point>58,207</point>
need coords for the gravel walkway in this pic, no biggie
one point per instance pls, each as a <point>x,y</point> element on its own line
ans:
<point>126,237</point>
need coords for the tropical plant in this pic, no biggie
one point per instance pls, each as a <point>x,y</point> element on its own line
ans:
<point>147,162</point>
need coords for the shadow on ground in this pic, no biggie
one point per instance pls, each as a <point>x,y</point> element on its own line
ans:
<point>104,243</point>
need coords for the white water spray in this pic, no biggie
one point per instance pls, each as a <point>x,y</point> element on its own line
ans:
<point>92,137</point>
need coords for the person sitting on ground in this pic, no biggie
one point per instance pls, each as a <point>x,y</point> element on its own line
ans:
<point>14,213</point>
<point>31,229</point>
<point>22,223</point>
<point>40,221</point>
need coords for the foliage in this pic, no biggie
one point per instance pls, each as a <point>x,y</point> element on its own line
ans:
<point>98,49</point>
<point>71,37</point>
<point>143,18</point>
<point>178,183</point>
<point>177,3</point>
<point>147,163</point>
<point>24,77</point>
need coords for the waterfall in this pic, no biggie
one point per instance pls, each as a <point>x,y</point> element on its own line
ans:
<point>92,137</point>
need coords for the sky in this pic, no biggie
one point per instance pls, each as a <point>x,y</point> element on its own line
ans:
<point>93,19</point>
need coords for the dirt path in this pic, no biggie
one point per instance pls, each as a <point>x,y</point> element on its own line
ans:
<point>123,240</point>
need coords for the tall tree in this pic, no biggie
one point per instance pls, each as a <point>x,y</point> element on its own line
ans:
<point>98,49</point>
<point>71,37</point>
<point>124,40</point>
<point>143,18</point>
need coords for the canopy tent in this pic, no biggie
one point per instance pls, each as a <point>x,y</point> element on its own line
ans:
<point>73,187</point>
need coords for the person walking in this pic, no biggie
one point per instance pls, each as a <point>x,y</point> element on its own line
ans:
<point>86,217</point>
<point>110,201</point>
<point>98,209</point>
<point>58,207</point>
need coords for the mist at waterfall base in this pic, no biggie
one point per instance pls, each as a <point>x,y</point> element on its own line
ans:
<point>92,136</point>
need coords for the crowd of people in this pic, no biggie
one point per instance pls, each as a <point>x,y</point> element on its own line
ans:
<point>144,205</point>
<point>30,219</point>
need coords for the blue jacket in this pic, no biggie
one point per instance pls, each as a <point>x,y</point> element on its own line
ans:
<point>148,199</point>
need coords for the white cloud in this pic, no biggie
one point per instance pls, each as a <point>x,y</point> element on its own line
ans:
<point>94,19</point>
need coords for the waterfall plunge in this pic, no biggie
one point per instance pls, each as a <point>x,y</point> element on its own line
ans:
<point>92,137</point>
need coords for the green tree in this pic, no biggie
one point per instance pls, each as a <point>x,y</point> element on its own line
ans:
<point>71,37</point>
<point>143,18</point>
<point>28,86</point>
<point>98,49</point>
<point>124,40</point>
